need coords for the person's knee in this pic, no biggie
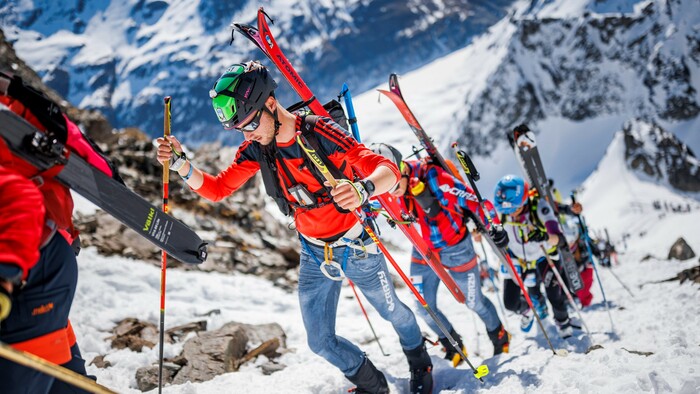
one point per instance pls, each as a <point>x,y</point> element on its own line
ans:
<point>321,344</point>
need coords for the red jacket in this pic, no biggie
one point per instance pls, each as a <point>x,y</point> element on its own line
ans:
<point>58,201</point>
<point>447,227</point>
<point>343,151</point>
<point>21,220</point>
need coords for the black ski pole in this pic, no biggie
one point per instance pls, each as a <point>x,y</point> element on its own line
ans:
<point>587,240</point>
<point>565,288</point>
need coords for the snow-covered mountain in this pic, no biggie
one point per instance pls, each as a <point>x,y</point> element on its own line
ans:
<point>581,66</point>
<point>659,154</point>
<point>574,70</point>
<point>122,57</point>
<point>637,185</point>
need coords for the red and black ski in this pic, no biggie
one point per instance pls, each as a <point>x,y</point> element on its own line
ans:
<point>262,37</point>
<point>394,94</point>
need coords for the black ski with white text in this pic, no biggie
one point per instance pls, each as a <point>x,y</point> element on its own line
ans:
<point>524,144</point>
<point>129,208</point>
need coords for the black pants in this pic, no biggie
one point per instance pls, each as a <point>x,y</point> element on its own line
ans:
<point>52,281</point>
<point>515,301</point>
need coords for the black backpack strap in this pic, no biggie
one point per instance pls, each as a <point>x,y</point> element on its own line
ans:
<point>308,126</point>
<point>271,178</point>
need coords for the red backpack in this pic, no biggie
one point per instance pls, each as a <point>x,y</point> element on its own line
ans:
<point>46,116</point>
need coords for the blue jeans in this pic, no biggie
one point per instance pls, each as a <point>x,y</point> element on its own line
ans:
<point>318,299</point>
<point>469,282</point>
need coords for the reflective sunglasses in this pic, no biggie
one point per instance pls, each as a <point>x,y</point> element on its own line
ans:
<point>253,124</point>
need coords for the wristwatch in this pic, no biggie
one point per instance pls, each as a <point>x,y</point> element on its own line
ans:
<point>369,186</point>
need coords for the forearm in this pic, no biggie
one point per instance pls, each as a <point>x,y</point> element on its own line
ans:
<point>196,178</point>
<point>383,178</point>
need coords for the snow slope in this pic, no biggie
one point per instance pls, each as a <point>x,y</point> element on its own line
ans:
<point>660,318</point>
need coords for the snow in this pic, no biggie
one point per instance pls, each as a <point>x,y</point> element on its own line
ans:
<point>660,318</point>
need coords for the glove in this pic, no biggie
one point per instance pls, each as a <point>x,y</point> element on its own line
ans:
<point>537,235</point>
<point>499,235</point>
<point>5,303</point>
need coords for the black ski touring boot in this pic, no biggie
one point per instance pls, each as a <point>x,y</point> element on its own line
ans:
<point>450,352</point>
<point>369,380</point>
<point>421,370</point>
<point>500,339</point>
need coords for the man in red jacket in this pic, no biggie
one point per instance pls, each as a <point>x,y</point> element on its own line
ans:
<point>243,99</point>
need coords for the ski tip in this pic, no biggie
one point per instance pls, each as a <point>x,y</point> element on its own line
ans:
<point>167,99</point>
<point>454,145</point>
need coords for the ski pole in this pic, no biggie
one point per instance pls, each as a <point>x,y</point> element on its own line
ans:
<point>472,175</point>
<point>61,373</point>
<point>164,256</point>
<point>498,294</point>
<point>352,120</point>
<point>620,281</point>
<point>565,288</point>
<point>479,372</point>
<point>613,255</point>
<point>587,239</point>
<point>376,338</point>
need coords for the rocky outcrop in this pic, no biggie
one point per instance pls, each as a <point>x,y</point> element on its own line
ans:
<point>657,153</point>
<point>205,355</point>
<point>681,250</point>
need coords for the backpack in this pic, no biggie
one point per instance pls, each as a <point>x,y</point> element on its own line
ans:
<point>270,170</point>
<point>46,115</point>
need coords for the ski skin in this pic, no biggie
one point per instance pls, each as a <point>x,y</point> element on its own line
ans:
<point>161,229</point>
<point>531,163</point>
<point>264,40</point>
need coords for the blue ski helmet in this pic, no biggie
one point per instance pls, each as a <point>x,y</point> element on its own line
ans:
<point>510,194</point>
<point>241,91</point>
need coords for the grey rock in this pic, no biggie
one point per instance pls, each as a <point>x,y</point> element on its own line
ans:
<point>147,377</point>
<point>680,250</point>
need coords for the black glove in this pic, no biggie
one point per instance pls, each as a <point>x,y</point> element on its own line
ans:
<point>537,235</point>
<point>499,235</point>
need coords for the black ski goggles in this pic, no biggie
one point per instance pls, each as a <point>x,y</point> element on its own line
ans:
<point>253,124</point>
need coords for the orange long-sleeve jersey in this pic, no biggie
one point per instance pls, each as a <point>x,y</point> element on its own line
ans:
<point>349,156</point>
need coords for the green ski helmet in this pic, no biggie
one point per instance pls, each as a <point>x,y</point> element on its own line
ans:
<point>241,91</point>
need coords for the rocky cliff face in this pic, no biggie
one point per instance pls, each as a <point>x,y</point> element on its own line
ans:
<point>657,153</point>
<point>641,63</point>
